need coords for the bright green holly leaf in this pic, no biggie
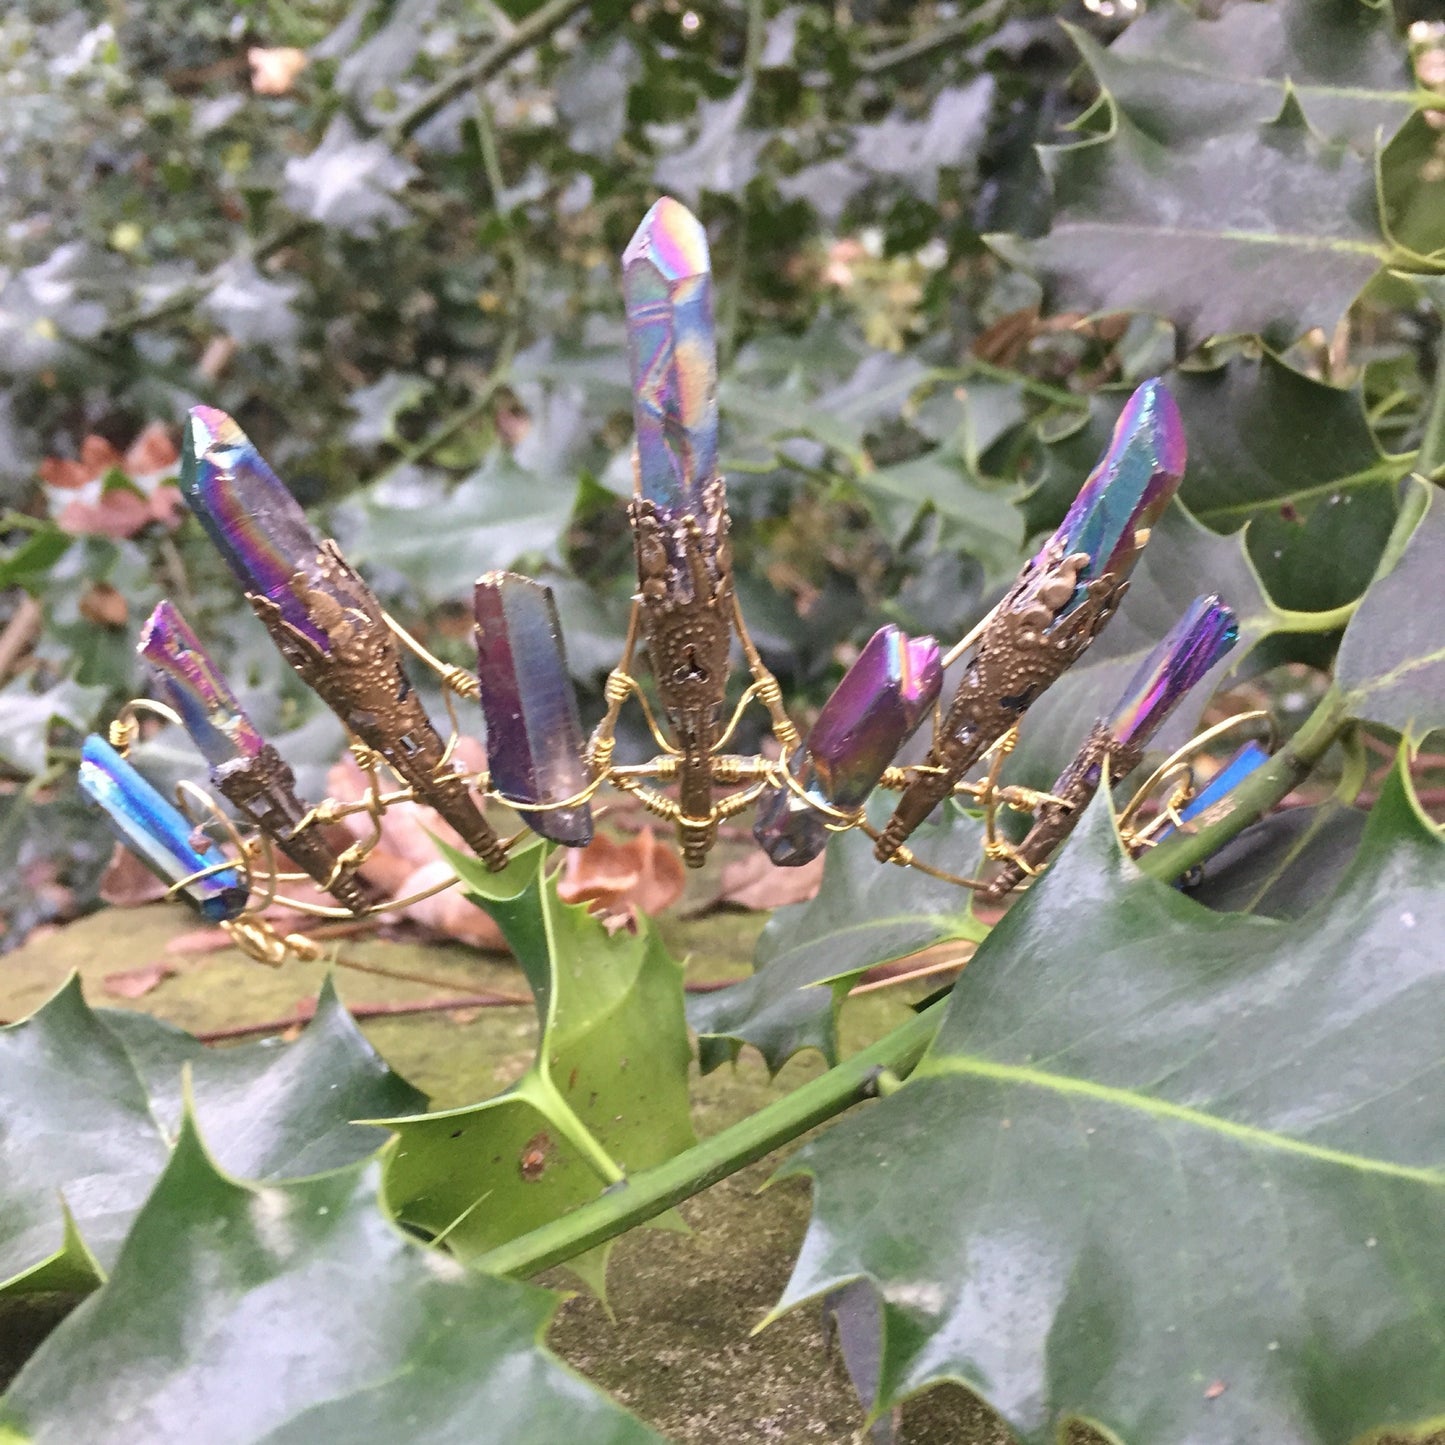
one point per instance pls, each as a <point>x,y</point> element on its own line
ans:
<point>811,953</point>
<point>1259,227</point>
<point>297,1314</point>
<point>605,1096</point>
<point>1182,78</point>
<point>28,564</point>
<point>1173,1171</point>
<point>1391,663</point>
<point>90,1103</point>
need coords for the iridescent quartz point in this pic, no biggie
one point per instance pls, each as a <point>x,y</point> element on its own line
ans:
<point>534,734</point>
<point>1059,602</point>
<point>190,683</point>
<point>679,510</point>
<point>158,833</point>
<point>1126,493</point>
<point>245,768</point>
<point>1204,633</point>
<point>323,618</point>
<point>1176,664</point>
<point>872,712</point>
<point>667,288</point>
<point>254,522</point>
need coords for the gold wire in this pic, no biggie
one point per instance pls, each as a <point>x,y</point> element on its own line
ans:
<point>1181,755</point>
<point>125,728</point>
<point>905,858</point>
<point>749,693</point>
<point>969,638</point>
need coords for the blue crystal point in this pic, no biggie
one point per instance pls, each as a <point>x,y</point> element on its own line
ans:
<point>534,733</point>
<point>667,290</point>
<point>157,832</point>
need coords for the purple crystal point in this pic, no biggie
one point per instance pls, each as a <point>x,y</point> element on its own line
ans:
<point>1126,494</point>
<point>873,711</point>
<point>1203,635</point>
<point>667,288</point>
<point>534,735</point>
<point>158,833</point>
<point>189,681</point>
<point>246,510</point>
<point>249,772</point>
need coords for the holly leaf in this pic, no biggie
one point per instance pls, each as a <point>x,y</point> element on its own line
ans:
<point>440,538</point>
<point>606,1094</point>
<point>1179,77</point>
<point>1391,663</point>
<point>1175,1172</point>
<point>1284,864</point>
<point>1258,227</point>
<point>809,955</point>
<point>26,719</point>
<point>91,1103</point>
<point>384,1341</point>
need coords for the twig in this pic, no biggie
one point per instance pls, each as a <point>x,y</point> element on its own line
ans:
<point>19,633</point>
<point>937,39</point>
<point>303,1015</point>
<point>527,33</point>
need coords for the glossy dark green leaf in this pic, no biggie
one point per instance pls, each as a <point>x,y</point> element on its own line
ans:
<point>1263,436</point>
<point>1173,1171</point>
<point>1181,77</point>
<point>90,1104</point>
<point>1261,226</point>
<point>809,954</point>
<point>1391,663</point>
<point>605,1096</point>
<point>296,1314</point>
<point>1284,864</point>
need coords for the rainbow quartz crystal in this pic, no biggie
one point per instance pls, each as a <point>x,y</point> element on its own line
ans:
<point>1127,492</point>
<point>534,734</point>
<point>157,832</point>
<point>667,288</point>
<point>250,516</point>
<point>872,712</point>
<point>188,680</point>
<point>1203,635</point>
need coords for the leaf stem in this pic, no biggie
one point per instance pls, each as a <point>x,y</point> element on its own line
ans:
<point>539,1090</point>
<point>649,1193</point>
<point>1256,795</point>
<point>1430,461</point>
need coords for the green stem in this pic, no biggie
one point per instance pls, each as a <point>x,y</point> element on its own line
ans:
<point>1256,795</point>
<point>548,1100</point>
<point>1431,459</point>
<point>649,1193</point>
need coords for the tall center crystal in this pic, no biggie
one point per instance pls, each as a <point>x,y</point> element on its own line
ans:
<point>667,288</point>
